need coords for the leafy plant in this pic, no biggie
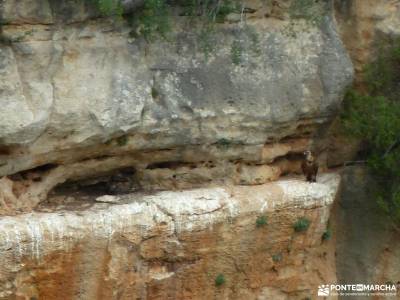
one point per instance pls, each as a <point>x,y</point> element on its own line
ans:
<point>301,224</point>
<point>261,221</point>
<point>154,19</point>
<point>220,280</point>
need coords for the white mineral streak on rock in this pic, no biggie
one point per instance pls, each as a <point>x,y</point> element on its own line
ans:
<point>307,194</point>
<point>108,199</point>
<point>37,234</point>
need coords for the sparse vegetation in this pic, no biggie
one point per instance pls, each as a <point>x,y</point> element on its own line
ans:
<point>326,236</point>
<point>220,280</point>
<point>374,117</point>
<point>261,221</point>
<point>277,257</point>
<point>122,140</point>
<point>301,224</point>
<point>310,10</point>
<point>236,52</point>
<point>108,7</point>
<point>154,20</point>
<point>223,143</point>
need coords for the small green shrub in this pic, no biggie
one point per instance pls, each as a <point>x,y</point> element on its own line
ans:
<point>220,280</point>
<point>326,236</point>
<point>154,19</point>
<point>277,257</point>
<point>261,221</point>
<point>122,140</point>
<point>301,224</point>
<point>223,143</point>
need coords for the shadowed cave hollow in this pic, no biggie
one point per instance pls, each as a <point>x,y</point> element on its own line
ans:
<point>82,193</point>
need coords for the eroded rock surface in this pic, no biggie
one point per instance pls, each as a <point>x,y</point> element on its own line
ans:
<point>365,26</point>
<point>80,94</point>
<point>172,245</point>
<point>148,164</point>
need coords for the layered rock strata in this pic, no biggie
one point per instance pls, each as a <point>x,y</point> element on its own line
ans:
<point>81,96</point>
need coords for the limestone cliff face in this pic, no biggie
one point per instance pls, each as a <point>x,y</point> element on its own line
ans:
<point>367,247</point>
<point>80,96</point>
<point>365,28</point>
<point>173,245</point>
<point>135,170</point>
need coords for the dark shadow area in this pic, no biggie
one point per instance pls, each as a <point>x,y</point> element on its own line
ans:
<point>367,247</point>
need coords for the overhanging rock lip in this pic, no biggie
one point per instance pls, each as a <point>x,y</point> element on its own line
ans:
<point>174,211</point>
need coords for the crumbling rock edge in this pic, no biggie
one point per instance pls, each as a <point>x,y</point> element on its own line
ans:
<point>36,233</point>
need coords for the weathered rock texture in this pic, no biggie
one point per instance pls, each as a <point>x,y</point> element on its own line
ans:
<point>87,111</point>
<point>76,89</point>
<point>172,245</point>
<point>365,26</point>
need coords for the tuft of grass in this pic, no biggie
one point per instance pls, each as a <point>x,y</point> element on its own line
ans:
<point>220,280</point>
<point>261,221</point>
<point>236,52</point>
<point>301,224</point>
